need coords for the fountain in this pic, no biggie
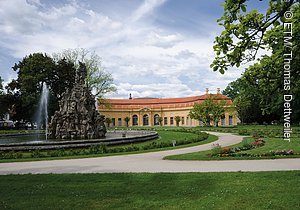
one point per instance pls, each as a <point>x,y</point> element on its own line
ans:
<point>42,114</point>
<point>77,117</point>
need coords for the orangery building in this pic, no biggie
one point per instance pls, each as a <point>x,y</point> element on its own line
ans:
<point>162,111</point>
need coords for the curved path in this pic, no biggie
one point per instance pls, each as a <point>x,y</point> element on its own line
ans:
<point>152,162</point>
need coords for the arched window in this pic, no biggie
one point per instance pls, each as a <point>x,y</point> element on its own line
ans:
<point>230,120</point>
<point>145,120</point>
<point>135,120</point>
<point>156,119</point>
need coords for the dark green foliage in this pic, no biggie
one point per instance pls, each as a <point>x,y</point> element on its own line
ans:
<point>258,94</point>
<point>245,32</point>
<point>37,154</point>
<point>11,155</point>
<point>127,119</point>
<point>56,153</point>
<point>177,120</point>
<point>32,71</point>
<point>209,110</point>
<point>98,149</point>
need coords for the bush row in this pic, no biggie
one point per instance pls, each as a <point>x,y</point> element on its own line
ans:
<point>272,153</point>
<point>103,149</point>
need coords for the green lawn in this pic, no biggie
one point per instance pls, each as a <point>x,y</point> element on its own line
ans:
<point>5,132</point>
<point>264,130</point>
<point>271,144</point>
<point>239,190</point>
<point>165,136</point>
<point>246,130</point>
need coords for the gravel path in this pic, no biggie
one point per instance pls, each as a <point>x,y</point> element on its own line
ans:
<point>152,162</point>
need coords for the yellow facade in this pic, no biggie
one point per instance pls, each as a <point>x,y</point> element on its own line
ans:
<point>166,114</point>
<point>147,112</point>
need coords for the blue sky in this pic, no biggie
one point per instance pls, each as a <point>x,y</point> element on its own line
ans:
<point>157,48</point>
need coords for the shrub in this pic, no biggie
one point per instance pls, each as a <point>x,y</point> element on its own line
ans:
<point>11,155</point>
<point>94,149</point>
<point>56,153</point>
<point>246,145</point>
<point>37,154</point>
<point>74,152</point>
<point>226,150</point>
<point>19,155</point>
<point>216,149</point>
<point>98,149</point>
<point>244,132</point>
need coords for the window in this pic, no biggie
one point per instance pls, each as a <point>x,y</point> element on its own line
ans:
<point>182,120</point>
<point>156,119</point>
<point>135,120</point>
<point>165,121</point>
<point>113,122</point>
<point>145,120</point>
<point>223,121</point>
<point>187,120</point>
<point>119,122</point>
<point>171,120</point>
<point>230,120</point>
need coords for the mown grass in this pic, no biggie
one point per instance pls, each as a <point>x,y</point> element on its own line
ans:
<point>165,136</point>
<point>11,131</point>
<point>271,144</point>
<point>245,130</point>
<point>236,190</point>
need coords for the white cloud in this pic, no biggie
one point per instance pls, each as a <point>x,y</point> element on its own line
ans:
<point>157,90</point>
<point>162,41</point>
<point>185,54</point>
<point>144,59</point>
<point>147,7</point>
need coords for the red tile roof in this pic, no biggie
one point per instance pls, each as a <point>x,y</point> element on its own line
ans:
<point>163,102</point>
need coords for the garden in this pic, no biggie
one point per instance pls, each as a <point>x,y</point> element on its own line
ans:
<point>259,146</point>
<point>168,139</point>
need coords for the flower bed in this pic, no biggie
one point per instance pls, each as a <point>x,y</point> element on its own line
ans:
<point>218,151</point>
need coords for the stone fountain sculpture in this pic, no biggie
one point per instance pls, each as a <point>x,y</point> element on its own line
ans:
<point>77,117</point>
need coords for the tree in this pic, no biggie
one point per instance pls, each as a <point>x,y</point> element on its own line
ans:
<point>242,107</point>
<point>160,119</point>
<point>127,119</point>
<point>264,83</point>
<point>210,109</point>
<point>252,100</point>
<point>244,32</point>
<point>98,80</point>
<point>177,120</point>
<point>3,107</point>
<point>108,121</point>
<point>1,86</point>
<point>232,89</point>
<point>32,71</point>
<point>62,77</point>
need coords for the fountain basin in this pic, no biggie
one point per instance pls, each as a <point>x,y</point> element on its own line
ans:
<point>112,138</point>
